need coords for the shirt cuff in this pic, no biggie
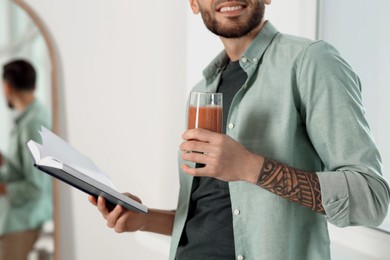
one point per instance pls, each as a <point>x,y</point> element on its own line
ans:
<point>335,198</point>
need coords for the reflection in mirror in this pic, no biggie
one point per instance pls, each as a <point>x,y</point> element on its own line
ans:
<point>20,194</point>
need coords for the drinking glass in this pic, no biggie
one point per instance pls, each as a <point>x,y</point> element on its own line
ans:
<point>205,111</point>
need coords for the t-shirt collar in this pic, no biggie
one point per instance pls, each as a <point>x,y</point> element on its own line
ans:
<point>250,57</point>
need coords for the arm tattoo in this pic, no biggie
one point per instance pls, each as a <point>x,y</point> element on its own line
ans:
<point>296,185</point>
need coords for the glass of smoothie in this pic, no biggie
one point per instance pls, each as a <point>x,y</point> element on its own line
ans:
<point>205,111</point>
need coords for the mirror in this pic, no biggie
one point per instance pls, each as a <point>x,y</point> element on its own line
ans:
<point>24,36</point>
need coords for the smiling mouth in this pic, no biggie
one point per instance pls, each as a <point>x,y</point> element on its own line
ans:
<point>230,8</point>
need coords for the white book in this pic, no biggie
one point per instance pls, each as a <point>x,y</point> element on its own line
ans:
<point>60,160</point>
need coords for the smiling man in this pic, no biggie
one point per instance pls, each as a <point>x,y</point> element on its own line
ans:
<point>296,152</point>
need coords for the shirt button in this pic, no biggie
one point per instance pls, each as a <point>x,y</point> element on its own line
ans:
<point>254,60</point>
<point>236,212</point>
<point>240,257</point>
<point>244,60</point>
<point>231,126</point>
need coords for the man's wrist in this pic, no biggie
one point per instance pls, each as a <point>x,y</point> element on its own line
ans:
<point>147,220</point>
<point>159,221</point>
<point>254,164</point>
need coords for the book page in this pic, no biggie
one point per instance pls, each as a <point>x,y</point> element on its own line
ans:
<point>54,146</point>
<point>35,150</point>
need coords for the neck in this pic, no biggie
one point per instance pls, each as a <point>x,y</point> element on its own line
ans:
<point>23,100</point>
<point>235,47</point>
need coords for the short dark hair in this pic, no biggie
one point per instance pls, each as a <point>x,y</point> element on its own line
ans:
<point>20,74</point>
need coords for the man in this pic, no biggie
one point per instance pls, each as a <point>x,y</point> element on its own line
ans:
<point>297,151</point>
<point>27,191</point>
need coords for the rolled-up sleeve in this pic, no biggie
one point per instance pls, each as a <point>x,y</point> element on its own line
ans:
<point>353,189</point>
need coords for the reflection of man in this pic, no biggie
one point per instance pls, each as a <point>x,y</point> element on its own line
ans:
<point>297,152</point>
<point>28,192</point>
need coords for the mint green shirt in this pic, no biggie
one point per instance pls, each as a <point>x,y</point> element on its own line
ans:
<point>301,105</point>
<point>29,195</point>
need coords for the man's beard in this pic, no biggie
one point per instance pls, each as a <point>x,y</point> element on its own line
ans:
<point>241,29</point>
<point>10,105</point>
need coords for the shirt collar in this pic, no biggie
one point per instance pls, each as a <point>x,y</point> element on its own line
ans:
<point>251,56</point>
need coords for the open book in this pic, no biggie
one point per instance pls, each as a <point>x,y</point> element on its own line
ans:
<point>60,160</point>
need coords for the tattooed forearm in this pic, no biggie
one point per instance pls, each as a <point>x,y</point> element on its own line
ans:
<point>298,186</point>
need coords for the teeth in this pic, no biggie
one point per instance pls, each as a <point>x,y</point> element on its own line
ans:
<point>230,8</point>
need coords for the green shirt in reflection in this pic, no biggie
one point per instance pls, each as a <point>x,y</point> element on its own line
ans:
<point>29,199</point>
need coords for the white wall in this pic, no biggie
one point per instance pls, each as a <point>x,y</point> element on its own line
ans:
<point>122,98</point>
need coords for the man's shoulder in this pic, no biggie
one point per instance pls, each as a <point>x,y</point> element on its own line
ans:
<point>38,116</point>
<point>292,41</point>
<point>296,46</point>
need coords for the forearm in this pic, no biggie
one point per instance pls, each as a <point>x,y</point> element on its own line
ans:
<point>159,221</point>
<point>302,187</point>
<point>228,160</point>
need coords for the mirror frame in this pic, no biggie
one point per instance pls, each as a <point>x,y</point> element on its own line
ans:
<point>54,93</point>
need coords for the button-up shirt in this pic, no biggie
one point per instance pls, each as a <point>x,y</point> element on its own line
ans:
<point>29,196</point>
<point>301,105</point>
